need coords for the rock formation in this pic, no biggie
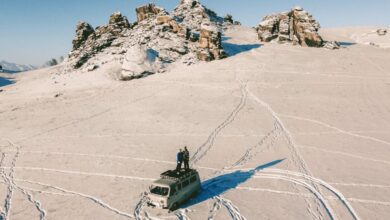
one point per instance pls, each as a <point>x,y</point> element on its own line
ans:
<point>296,26</point>
<point>210,44</point>
<point>89,41</point>
<point>191,33</point>
<point>147,11</point>
<point>228,19</point>
<point>192,14</point>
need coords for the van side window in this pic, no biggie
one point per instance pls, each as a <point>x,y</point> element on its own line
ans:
<point>186,183</point>
<point>193,179</point>
<point>173,190</point>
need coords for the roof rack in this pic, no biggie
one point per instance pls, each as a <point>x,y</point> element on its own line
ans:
<point>177,175</point>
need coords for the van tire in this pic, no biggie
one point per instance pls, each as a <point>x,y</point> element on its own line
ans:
<point>174,206</point>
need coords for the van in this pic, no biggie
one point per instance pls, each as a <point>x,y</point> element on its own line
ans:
<point>174,188</point>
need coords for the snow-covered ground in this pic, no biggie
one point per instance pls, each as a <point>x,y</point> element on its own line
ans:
<point>276,131</point>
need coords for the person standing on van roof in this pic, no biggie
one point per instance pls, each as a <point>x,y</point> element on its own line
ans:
<point>186,159</point>
<point>180,158</point>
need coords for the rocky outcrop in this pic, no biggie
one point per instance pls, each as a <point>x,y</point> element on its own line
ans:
<point>296,26</point>
<point>192,33</point>
<point>192,14</point>
<point>210,46</point>
<point>89,41</point>
<point>147,11</point>
<point>83,31</point>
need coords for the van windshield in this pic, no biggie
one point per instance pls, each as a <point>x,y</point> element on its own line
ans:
<point>158,190</point>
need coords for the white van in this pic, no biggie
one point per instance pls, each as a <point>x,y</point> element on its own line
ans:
<point>174,188</point>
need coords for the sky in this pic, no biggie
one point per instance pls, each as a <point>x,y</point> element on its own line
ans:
<point>34,31</point>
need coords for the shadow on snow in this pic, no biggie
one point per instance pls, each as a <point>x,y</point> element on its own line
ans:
<point>346,44</point>
<point>234,49</point>
<point>5,81</point>
<point>221,184</point>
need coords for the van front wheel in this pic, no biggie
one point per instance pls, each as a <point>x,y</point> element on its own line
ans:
<point>174,206</point>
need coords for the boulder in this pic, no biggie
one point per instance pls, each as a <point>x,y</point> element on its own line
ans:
<point>296,27</point>
<point>331,45</point>
<point>381,32</point>
<point>138,62</point>
<point>147,11</point>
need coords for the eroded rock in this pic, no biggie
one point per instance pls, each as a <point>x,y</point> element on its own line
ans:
<point>296,26</point>
<point>147,11</point>
<point>191,33</point>
<point>89,41</point>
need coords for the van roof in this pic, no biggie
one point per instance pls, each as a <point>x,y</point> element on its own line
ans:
<point>178,175</point>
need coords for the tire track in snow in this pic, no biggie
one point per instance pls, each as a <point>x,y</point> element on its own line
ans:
<point>232,209</point>
<point>345,154</point>
<point>251,152</point>
<point>87,118</point>
<point>138,211</point>
<point>337,193</point>
<point>206,146</point>
<point>89,197</point>
<point>181,214</point>
<point>10,181</point>
<point>308,186</point>
<point>336,128</point>
<point>296,156</point>
<point>84,173</point>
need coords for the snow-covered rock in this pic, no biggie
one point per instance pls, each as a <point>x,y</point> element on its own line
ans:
<point>381,32</point>
<point>13,67</point>
<point>331,45</point>
<point>296,26</point>
<point>190,34</point>
<point>139,62</point>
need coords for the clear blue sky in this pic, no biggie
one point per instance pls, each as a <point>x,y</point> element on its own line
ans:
<point>33,31</point>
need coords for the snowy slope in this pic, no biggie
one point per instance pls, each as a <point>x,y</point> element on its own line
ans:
<point>276,132</point>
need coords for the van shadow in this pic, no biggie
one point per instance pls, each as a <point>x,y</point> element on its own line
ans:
<point>221,184</point>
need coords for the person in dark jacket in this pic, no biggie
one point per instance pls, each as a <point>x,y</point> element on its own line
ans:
<point>180,158</point>
<point>186,158</point>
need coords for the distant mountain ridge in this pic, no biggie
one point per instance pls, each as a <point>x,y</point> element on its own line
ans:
<point>14,67</point>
